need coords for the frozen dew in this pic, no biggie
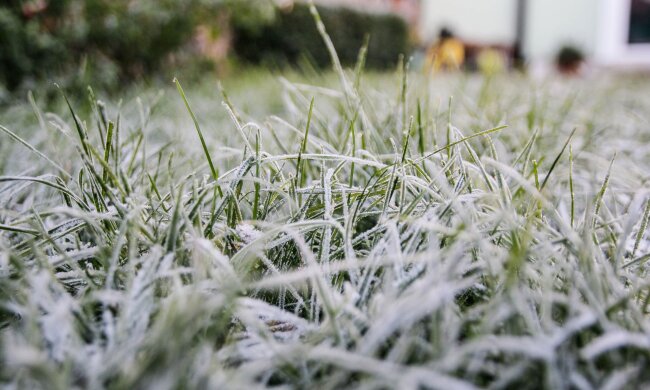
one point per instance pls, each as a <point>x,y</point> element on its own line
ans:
<point>328,248</point>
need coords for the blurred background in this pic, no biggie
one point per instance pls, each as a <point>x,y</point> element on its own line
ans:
<point>107,43</point>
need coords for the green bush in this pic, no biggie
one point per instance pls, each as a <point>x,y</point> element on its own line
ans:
<point>138,35</point>
<point>133,37</point>
<point>569,56</point>
<point>123,38</point>
<point>292,36</point>
<point>30,47</point>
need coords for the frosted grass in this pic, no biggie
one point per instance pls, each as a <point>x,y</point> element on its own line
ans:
<point>407,240</point>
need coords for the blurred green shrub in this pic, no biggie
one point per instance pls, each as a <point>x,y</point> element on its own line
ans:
<point>569,58</point>
<point>110,40</point>
<point>103,42</point>
<point>31,45</point>
<point>138,35</point>
<point>293,36</point>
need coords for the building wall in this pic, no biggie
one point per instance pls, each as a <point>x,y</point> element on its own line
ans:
<point>549,23</point>
<point>478,21</point>
<point>598,27</point>
<point>612,48</point>
<point>554,23</point>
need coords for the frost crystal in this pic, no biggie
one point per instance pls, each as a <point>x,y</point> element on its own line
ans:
<point>247,233</point>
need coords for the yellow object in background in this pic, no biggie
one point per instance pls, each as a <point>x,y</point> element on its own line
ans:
<point>447,54</point>
<point>491,62</point>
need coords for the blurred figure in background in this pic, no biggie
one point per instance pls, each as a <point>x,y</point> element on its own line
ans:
<point>448,53</point>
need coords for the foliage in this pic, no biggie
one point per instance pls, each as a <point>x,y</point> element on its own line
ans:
<point>138,35</point>
<point>293,37</point>
<point>569,56</point>
<point>118,39</point>
<point>31,46</point>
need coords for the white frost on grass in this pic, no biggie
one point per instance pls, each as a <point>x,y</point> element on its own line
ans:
<point>387,268</point>
<point>247,232</point>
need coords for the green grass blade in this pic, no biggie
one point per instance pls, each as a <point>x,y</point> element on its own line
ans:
<point>213,170</point>
<point>557,159</point>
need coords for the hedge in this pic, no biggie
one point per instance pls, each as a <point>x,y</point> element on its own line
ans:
<point>118,40</point>
<point>293,36</point>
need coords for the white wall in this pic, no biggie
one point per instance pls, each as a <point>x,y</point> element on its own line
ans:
<point>598,27</point>
<point>554,23</point>
<point>612,48</point>
<point>480,21</point>
<point>549,23</point>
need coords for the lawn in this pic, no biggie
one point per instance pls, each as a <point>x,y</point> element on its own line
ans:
<point>328,230</point>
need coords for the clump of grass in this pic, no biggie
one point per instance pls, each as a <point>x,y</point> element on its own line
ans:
<point>373,233</point>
